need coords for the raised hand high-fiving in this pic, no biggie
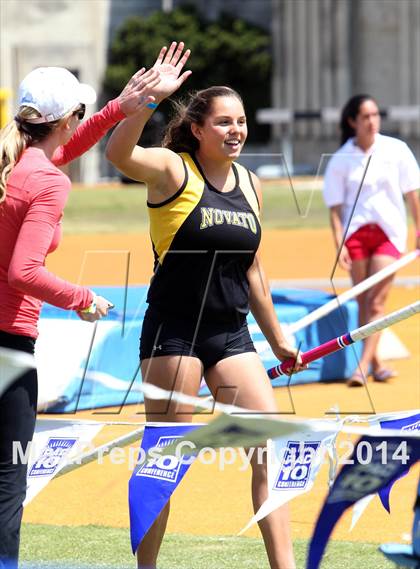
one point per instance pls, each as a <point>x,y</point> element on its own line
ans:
<point>169,65</point>
<point>138,91</point>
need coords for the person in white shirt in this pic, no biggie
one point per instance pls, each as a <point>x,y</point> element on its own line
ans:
<point>366,184</point>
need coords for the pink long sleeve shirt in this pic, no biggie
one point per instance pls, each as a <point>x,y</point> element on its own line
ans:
<point>30,229</point>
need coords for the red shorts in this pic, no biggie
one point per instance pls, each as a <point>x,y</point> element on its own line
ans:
<point>370,240</point>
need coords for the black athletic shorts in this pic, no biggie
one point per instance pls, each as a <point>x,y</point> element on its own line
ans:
<point>168,336</point>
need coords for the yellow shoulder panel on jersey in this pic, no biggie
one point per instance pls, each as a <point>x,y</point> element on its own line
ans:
<point>247,189</point>
<point>165,220</point>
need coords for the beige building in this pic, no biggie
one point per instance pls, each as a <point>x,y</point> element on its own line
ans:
<point>64,33</point>
<point>328,50</point>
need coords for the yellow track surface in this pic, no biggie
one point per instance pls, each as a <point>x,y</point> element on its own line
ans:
<point>210,501</point>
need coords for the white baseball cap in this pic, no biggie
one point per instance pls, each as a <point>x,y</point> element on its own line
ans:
<point>53,92</point>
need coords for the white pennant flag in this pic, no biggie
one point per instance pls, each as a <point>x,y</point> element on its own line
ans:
<point>293,464</point>
<point>13,364</point>
<point>56,443</point>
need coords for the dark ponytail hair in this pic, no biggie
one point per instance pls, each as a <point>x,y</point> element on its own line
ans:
<point>350,111</point>
<point>178,136</point>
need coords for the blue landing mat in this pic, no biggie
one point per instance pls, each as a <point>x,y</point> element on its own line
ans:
<point>109,371</point>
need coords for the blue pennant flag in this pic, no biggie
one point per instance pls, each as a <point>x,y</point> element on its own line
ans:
<point>155,477</point>
<point>376,461</point>
<point>410,423</point>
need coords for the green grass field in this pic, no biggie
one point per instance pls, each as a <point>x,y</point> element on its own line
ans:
<point>113,209</point>
<point>93,546</point>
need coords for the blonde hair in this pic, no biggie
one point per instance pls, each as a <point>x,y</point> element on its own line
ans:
<point>15,137</point>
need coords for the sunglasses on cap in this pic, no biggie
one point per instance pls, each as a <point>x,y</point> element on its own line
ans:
<point>80,112</point>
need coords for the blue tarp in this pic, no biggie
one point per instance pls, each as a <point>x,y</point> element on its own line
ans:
<point>110,374</point>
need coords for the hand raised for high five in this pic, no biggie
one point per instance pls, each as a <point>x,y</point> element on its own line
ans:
<point>138,91</point>
<point>169,65</point>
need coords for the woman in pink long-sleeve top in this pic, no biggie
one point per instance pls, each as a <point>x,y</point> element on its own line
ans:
<point>46,133</point>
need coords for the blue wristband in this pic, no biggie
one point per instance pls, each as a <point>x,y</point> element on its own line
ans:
<point>152,106</point>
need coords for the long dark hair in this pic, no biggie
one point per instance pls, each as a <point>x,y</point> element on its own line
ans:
<point>350,111</point>
<point>178,136</point>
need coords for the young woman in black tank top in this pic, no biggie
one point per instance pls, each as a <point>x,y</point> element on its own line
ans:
<point>205,230</point>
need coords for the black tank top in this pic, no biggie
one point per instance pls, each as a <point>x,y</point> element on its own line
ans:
<point>204,242</point>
